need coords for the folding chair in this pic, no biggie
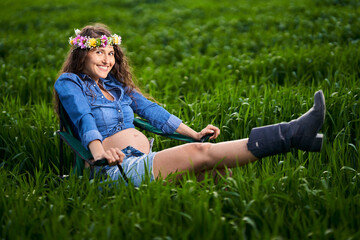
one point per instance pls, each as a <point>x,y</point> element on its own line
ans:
<point>82,155</point>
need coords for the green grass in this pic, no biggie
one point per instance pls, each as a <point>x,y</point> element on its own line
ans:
<point>234,64</point>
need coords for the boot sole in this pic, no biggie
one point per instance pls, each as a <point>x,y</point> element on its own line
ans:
<point>323,107</point>
<point>317,143</point>
<point>319,138</point>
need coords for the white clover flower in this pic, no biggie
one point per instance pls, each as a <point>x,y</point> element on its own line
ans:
<point>77,31</point>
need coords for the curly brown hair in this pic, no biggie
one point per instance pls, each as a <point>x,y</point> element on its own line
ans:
<point>75,60</point>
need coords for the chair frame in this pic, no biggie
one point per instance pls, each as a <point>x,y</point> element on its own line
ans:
<point>82,155</point>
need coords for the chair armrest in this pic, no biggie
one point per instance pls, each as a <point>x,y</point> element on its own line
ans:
<point>145,125</point>
<point>75,145</point>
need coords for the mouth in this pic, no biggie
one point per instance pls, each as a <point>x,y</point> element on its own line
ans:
<point>103,68</point>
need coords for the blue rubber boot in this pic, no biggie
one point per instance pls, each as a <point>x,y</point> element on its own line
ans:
<point>301,133</point>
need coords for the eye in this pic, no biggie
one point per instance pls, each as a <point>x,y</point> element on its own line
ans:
<point>112,54</point>
<point>99,52</point>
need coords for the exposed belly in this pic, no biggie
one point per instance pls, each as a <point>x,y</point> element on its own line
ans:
<point>128,137</point>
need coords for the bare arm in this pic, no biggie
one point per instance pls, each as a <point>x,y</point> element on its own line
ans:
<point>113,155</point>
<point>187,131</point>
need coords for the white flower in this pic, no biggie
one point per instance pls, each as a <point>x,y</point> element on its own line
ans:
<point>77,32</point>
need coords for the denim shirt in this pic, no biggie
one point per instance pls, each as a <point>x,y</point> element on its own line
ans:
<point>94,117</point>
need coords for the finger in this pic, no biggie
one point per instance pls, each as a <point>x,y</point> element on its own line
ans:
<point>209,133</point>
<point>109,156</point>
<point>216,132</point>
<point>114,153</point>
<point>120,154</point>
<point>215,135</point>
<point>210,128</point>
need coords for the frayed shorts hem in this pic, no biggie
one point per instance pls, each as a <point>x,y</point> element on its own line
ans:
<point>137,166</point>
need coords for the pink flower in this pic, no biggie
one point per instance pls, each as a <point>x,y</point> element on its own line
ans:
<point>104,40</point>
<point>82,42</point>
<point>76,40</point>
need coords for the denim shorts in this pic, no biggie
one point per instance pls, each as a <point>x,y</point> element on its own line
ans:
<point>137,166</point>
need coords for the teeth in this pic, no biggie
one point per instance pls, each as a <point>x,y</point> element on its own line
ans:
<point>102,67</point>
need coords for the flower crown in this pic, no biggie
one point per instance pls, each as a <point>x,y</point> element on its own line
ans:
<point>90,42</point>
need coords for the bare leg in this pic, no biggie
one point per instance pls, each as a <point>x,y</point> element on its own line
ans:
<point>301,133</point>
<point>198,157</point>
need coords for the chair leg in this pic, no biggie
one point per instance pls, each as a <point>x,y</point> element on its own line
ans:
<point>123,173</point>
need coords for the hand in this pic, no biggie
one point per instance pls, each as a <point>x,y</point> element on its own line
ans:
<point>210,129</point>
<point>113,156</point>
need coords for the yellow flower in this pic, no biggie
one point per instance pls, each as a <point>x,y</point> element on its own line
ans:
<point>72,41</point>
<point>92,42</point>
<point>116,40</point>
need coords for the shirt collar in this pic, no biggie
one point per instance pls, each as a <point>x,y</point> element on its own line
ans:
<point>85,76</point>
<point>106,79</point>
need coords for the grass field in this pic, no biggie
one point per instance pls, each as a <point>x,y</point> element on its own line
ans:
<point>234,64</point>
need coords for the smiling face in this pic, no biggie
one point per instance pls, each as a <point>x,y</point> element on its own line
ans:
<point>99,62</point>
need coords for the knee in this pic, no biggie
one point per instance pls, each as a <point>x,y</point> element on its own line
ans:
<point>201,148</point>
<point>201,151</point>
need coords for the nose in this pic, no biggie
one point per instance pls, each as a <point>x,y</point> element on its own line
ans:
<point>105,58</point>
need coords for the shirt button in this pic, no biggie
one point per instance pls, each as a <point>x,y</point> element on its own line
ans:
<point>119,110</point>
<point>128,151</point>
<point>102,96</point>
<point>94,85</point>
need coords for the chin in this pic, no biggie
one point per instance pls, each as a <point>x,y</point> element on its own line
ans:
<point>103,75</point>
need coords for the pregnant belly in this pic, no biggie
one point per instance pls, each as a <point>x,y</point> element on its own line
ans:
<point>128,137</point>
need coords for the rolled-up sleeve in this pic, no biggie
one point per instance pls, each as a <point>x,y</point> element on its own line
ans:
<point>157,115</point>
<point>77,107</point>
<point>171,124</point>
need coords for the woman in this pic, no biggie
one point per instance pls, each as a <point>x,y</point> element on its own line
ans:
<point>96,89</point>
